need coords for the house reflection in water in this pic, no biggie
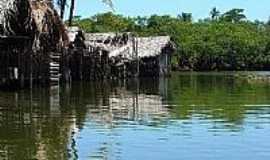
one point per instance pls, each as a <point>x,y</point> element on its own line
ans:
<point>44,123</point>
<point>127,119</point>
<point>123,104</point>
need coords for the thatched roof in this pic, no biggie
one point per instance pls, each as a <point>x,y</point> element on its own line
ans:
<point>36,19</point>
<point>115,44</point>
<point>152,46</point>
<point>15,17</point>
<point>103,36</point>
<point>147,46</point>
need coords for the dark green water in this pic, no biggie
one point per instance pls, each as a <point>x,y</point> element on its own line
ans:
<point>194,116</point>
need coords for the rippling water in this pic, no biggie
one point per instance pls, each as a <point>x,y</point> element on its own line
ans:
<point>188,116</point>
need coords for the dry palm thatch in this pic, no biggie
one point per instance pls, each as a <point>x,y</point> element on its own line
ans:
<point>50,29</point>
<point>36,19</point>
<point>15,17</point>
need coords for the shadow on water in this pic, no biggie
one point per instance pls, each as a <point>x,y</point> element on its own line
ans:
<point>52,123</point>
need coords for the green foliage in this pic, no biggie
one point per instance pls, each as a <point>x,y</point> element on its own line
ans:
<point>234,15</point>
<point>186,17</point>
<point>107,22</point>
<point>220,42</point>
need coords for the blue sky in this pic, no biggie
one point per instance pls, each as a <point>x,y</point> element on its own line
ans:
<point>254,9</point>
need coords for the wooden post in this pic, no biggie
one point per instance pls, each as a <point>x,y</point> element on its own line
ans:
<point>22,63</point>
<point>124,76</point>
<point>137,57</point>
<point>81,62</point>
<point>31,65</point>
<point>7,66</point>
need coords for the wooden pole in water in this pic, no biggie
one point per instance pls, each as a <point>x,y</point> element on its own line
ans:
<point>21,68</point>
<point>137,57</point>
<point>81,63</point>
<point>31,64</point>
<point>7,68</point>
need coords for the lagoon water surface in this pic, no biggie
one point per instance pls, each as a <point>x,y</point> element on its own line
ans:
<point>194,116</point>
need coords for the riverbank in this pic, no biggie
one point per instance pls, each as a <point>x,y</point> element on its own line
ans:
<point>221,63</point>
<point>252,77</point>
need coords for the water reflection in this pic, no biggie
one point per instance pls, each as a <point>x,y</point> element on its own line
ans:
<point>148,119</point>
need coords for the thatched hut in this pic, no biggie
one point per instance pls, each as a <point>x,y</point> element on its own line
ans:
<point>38,22</point>
<point>119,55</point>
<point>36,19</point>
<point>155,55</point>
<point>152,54</point>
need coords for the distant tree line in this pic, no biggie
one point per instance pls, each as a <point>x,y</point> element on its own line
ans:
<point>222,41</point>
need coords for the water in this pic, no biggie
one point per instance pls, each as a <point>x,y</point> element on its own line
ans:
<point>191,116</point>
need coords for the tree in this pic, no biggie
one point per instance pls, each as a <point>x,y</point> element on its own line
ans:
<point>62,5</point>
<point>72,7</point>
<point>214,13</point>
<point>108,22</point>
<point>71,12</point>
<point>109,3</point>
<point>234,15</point>
<point>141,21</point>
<point>268,22</point>
<point>201,45</point>
<point>186,17</point>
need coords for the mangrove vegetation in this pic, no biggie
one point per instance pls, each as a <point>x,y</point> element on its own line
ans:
<point>222,41</point>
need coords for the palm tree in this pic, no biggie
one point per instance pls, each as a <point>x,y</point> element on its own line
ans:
<point>234,15</point>
<point>214,13</point>
<point>72,7</point>
<point>62,5</point>
<point>71,12</point>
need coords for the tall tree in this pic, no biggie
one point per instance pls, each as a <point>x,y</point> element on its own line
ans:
<point>215,13</point>
<point>71,12</point>
<point>109,3</point>
<point>234,15</point>
<point>62,5</point>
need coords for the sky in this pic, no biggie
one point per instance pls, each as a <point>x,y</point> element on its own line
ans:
<point>254,9</point>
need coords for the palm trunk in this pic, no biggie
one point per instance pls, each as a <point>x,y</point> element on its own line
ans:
<point>62,8</point>
<point>71,12</point>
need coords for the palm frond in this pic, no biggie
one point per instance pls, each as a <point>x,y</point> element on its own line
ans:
<point>109,3</point>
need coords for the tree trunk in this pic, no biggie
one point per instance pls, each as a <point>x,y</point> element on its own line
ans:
<point>71,12</point>
<point>62,8</point>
